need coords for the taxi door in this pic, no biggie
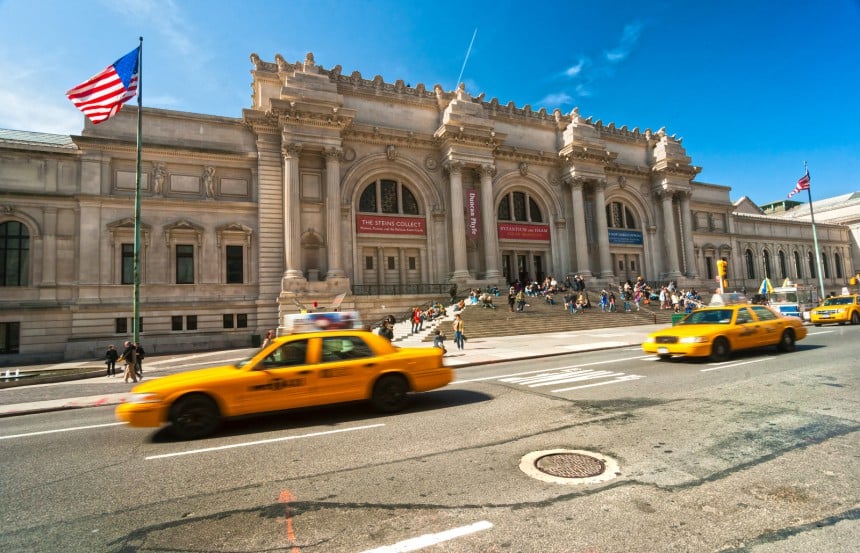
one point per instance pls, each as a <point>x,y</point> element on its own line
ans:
<point>747,332</point>
<point>282,380</point>
<point>346,367</point>
<point>770,324</point>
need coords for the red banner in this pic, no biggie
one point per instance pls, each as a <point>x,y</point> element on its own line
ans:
<point>380,224</point>
<point>519,231</point>
<point>473,214</point>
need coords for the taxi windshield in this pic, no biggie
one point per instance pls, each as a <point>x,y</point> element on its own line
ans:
<point>708,317</point>
<point>839,301</point>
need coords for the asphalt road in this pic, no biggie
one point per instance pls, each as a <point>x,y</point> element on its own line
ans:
<point>759,454</point>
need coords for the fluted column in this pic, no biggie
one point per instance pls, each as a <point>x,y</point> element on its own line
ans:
<point>580,236</point>
<point>49,248</point>
<point>292,212</point>
<point>332,214</point>
<point>687,231</point>
<point>669,235</point>
<point>488,222</point>
<point>458,221</point>
<point>602,230</point>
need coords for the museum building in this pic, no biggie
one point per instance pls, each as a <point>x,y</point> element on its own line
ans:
<point>336,186</point>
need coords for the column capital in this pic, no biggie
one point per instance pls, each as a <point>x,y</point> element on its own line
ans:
<point>333,154</point>
<point>453,167</point>
<point>574,182</point>
<point>486,170</point>
<point>291,150</point>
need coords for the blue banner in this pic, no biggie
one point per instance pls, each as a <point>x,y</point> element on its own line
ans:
<point>618,236</point>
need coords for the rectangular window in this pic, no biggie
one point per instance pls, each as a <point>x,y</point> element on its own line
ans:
<point>235,264</point>
<point>127,264</point>
<point>412,264</point>
<point>10,337</point>
<point>121,325</point>
<point>242,320</point>
<point>184,264</point>
<point>191,322</point>
<point>176,323</point>
<point>228,320</point>
<point>391,266</point>
<point>368,263</point>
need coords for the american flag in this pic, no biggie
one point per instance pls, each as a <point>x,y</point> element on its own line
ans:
<point>102,96</point>
<point>802,184</point>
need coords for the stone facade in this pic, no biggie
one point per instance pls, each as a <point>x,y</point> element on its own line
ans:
<point>331,184</point>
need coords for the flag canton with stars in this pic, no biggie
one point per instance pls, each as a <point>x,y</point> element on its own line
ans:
<point>102,96</point>
<point>802,184</point>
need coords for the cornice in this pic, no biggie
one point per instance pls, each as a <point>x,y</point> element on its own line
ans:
<point>165,151</point>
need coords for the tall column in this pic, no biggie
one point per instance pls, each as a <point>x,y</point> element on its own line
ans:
<point>602,230</point>
<point>292,212</point>
<point>458,221</point>
<point>579,234</point>
<point>332,214</point>
<point>488,222</point>
<point>687,232</point>
<point>380,265</point>
<point>49,249</point>
<point>669,239</point>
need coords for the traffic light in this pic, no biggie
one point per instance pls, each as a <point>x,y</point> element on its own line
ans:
<point>723,271</point>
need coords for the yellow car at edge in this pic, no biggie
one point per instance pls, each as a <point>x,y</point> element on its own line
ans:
<point>837,309</point>
<point>717,331</point>
<point>298,370</point>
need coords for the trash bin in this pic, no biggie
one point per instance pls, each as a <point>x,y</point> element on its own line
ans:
<point>255,340</point>
<point>677,317</point>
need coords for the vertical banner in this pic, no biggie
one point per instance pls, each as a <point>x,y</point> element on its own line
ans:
<point>473,214</point>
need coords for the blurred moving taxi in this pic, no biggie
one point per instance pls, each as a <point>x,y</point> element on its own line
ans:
<point>717,331</point>
<point>837,309</point>
<point>298,370</point>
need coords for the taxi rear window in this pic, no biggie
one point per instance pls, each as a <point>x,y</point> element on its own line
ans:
<point>708,317</point>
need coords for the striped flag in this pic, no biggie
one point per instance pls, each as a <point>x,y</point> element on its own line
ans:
<point>102,96</point>
<point>802,184</point>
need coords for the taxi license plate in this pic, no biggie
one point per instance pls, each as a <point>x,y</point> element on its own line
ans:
<point>662,350</point>
<point>825,316</point>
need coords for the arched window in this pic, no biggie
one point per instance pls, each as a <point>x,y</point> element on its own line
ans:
<point>798,266</point>
<point>619,215</point>
<point>768,272</point>
<point>14,254</point>
<point>519,206</point>
<point>389,197</point>
<point>812,273</point>
<point>824,266</point>
<point>783,268</point>
<point>837,262</point>
<point>750,264</point>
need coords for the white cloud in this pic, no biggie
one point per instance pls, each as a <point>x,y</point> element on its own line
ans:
<point>629,38</point>
<point>167,19</point>
<point>575,70</point>
<point>552,101</point>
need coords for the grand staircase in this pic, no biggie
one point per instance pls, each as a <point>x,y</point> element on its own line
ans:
<point>538,317</point>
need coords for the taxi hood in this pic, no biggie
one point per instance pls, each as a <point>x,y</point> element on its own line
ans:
<point>211,374</point>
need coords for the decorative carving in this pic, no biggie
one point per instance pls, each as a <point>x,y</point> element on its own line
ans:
<point>334,154</point>
<point>486,170</point>
<point>391,152</point>
<point>309,62</point>
<point>291,150</point>
<point>348,154</point>
<point>209,181</point>
<point>454,167</point>
<point>159,174</point>
<point>622,181</point>
<point>431,163</point>
<point>524,169</point>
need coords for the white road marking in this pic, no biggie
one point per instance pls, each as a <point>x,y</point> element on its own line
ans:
<point>261,442</point>
<point>60,430</point>
<point>500,377</point>
<point>819,332</point>
<point>427,540</point>
<point>625,378</point>
<point>728,364</point>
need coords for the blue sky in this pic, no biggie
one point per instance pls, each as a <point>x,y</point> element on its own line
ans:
<point>755,88</point>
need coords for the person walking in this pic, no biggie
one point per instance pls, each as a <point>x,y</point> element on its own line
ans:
<point>129,359</point>
<point>270,335</point>
<point>139,354</point>
<point>458,331</point>
<point>111,355</point>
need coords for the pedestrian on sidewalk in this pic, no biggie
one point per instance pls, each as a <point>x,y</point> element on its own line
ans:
<point>439,341</point>
<point>139,354</point>
<point>111,355</point>
<point>129,360</point>
<point>458,331</point>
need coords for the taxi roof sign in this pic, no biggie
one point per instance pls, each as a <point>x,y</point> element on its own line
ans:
<point>732,298</point>
<point>318,322</point>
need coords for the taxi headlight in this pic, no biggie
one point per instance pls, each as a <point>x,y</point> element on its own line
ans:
<point>144,398</point>
<point>692,340</point>
<point>650,340</point>
<point>841,310</point>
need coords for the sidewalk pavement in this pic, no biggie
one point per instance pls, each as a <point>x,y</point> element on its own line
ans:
<point>478,351</point>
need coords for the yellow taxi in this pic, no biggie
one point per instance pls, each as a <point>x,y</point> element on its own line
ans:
<point>837,309</point>
<point>717,331</point>
<point>298,370</point>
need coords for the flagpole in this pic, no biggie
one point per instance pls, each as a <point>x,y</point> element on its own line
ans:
<point>136,308</point>
<point>815,238</point>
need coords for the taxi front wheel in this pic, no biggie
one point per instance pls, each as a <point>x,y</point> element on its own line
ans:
<point>390,394</point>
<point>193,417</point>
<point>720,350</point>
<point>786,341</point>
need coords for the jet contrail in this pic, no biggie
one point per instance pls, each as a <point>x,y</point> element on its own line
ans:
<point>469,51</point>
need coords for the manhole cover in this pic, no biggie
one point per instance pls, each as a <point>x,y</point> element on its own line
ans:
<point>570,465</point>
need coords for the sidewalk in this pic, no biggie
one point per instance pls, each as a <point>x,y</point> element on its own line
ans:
<point>476,352</point>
